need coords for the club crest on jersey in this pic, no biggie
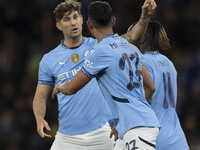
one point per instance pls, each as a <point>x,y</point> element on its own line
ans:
<point>75,58</point>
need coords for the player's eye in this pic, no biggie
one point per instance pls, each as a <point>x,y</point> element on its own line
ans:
<point>75,16</point>
<point>66,19</point>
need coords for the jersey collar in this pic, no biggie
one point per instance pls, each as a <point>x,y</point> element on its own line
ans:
<point>110,35</point>
<point>152,52</point>
<point>71,48</point>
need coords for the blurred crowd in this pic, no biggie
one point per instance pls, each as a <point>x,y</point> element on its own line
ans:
<point>27,31</point>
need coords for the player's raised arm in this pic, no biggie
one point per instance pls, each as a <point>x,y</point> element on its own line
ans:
<point>136,31</point>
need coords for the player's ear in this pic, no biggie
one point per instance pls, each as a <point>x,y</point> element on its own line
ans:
<point>113,20</point>
<point>58,25</point>
<point>89,24</point>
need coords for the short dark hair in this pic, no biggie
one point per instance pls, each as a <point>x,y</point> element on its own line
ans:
<point>66,6</point>
<point>100,13</point>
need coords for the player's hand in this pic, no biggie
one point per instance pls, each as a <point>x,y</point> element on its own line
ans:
<point>113,132</point>
<point>55,91</point>
<point>41,124</point>
<point>148,8</point>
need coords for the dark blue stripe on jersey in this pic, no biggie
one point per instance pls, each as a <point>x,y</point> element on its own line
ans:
<point>122,100</point>
<point>86,72</point>
<point>148,143</point>
<point>45,82</point>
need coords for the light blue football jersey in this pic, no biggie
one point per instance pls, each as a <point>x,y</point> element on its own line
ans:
<point>164,75</point>
<point>117,66</point>
<point>84,111</point>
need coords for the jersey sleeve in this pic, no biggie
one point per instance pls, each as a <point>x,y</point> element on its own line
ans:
<point>96,62</point>
<point>45,75</point>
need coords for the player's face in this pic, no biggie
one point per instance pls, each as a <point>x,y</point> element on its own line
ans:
<point>71,25</point>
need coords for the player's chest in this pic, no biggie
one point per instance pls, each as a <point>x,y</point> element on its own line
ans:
<point>67,65</point>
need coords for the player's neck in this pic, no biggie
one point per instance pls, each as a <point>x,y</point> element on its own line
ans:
<point>100,33</point>
<point>143,48</point>
<point>73,42</point>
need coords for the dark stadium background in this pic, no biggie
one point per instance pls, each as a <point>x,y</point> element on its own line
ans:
<point>27,31</point>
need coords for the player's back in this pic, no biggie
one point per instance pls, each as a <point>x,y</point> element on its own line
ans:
<point>164,77</point>
<point>121,77</point>
<point>164,100</point>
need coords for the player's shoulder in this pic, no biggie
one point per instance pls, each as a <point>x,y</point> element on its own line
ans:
<point>151,56</point>
<point>147,59</point>
<point>136,49</point>
<point>52,53</point>
<point>156,56</point>
<point>89,41</point>
<point>56,49</point>
<point>164,57</point>
<point>103,49</point>
<point>99,48</point>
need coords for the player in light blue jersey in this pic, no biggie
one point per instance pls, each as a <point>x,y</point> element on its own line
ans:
<point>120,73</point>
<point>164,75</point>
<point>83,116</point>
